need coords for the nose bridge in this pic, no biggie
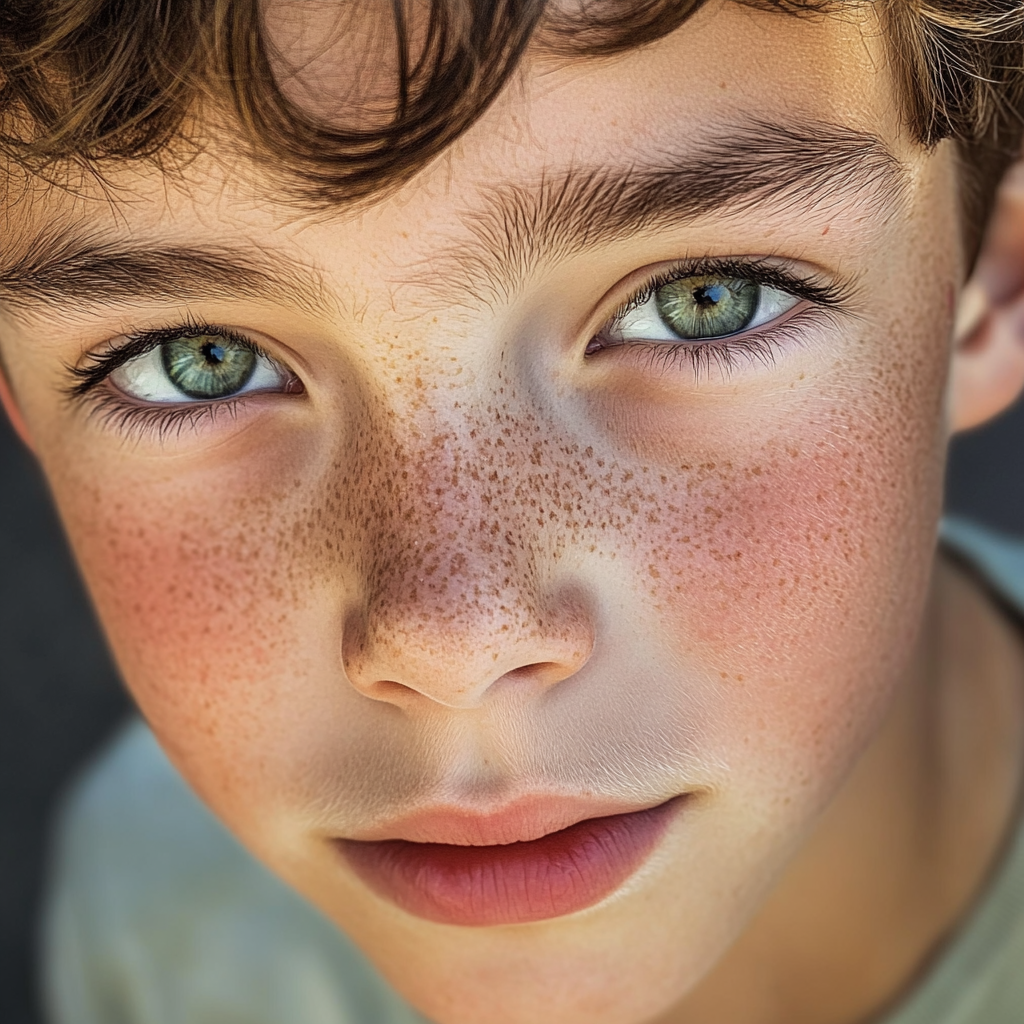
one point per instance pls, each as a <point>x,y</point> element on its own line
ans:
<point>455,540</point>
<point>453,598</point>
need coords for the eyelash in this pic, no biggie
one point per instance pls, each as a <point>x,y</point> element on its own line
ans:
<point>721,353</point>
<point>137,420</point>
<point>163,421</point>
<point>828,299</point>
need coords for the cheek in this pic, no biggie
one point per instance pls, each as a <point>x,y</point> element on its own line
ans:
<point>805,538</point>
<point>202,599</point>
<point>790,562</point>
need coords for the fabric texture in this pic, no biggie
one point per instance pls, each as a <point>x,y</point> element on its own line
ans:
<point>156,915</point>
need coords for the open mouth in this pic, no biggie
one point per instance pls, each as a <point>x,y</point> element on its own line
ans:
<point>512,883</point>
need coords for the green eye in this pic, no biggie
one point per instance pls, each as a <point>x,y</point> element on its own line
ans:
<point>708,306</point>
<point>208,366</point>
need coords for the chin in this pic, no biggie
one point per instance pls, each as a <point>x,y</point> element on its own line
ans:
<point>535,979</point>
<point>626,960</point>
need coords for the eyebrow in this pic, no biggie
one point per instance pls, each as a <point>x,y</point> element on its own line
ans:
<point>805,165</point>
<point>91,271</point>
<point>801,166</point>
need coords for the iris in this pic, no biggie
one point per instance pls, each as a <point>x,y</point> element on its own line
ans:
<point>708,307</point>
<point>208,367</point>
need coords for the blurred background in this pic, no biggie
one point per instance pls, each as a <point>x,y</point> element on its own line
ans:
<point>60,696</point>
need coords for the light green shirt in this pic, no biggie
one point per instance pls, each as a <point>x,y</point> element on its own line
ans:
<point>157,916</point>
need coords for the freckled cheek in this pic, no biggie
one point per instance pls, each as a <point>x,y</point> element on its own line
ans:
<point>206,618</point>
<point>795,582</point>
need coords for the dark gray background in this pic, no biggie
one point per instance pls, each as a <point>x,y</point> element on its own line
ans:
<point>59,694</point>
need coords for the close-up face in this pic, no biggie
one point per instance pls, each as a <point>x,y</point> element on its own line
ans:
<point>595,471</point>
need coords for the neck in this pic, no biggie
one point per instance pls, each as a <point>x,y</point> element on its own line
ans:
<point>904,850</point>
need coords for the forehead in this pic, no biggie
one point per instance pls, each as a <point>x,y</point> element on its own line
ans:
<point>726,69</point>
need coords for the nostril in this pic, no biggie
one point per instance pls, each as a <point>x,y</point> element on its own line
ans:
<point>542,673</point>
<point>401,651</point>
<point>391,691</point>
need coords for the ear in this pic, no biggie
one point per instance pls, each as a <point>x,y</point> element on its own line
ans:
<point>13,412</point>
<point>987,372</point>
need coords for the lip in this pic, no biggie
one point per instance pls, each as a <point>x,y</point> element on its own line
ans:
<point>519,821</point>
<point>483,874</point>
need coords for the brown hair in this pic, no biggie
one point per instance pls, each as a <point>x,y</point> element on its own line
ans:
<point>91,80</point>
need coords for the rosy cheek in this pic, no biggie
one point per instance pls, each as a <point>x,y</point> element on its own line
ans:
<point>785,546</point>
<point>794,578</point>
<point>195,590</point>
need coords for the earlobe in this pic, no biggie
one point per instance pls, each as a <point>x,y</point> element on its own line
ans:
<point>13,412</point>
<point>987,371</point>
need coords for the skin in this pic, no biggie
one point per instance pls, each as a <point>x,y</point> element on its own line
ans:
<point>468,562</point>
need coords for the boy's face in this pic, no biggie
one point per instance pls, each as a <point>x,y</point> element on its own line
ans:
<point>510,544</point>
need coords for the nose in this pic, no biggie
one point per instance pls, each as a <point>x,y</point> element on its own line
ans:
<point>411,654</point>
<point>459,599</point>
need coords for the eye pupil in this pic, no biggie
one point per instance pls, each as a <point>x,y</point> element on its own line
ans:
<point>709,296</point>
<point>208,368</point>
<point>703,307</point>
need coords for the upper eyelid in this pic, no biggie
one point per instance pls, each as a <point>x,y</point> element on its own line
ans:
<point>837,295</point>
<point>100,365</point>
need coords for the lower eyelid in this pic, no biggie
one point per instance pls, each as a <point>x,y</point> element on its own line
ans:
<point>703,356</point>
<point>160,420</point>
<point>730,354</point>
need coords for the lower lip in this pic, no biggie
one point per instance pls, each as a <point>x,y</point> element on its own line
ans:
<point>557,874</point>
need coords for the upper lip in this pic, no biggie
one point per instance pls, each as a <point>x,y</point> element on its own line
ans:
<point>522,820</point>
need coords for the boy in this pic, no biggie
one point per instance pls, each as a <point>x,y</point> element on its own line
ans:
<point>512,494</point>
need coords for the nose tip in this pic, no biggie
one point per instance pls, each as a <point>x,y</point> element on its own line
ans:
<point>448,661</point>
